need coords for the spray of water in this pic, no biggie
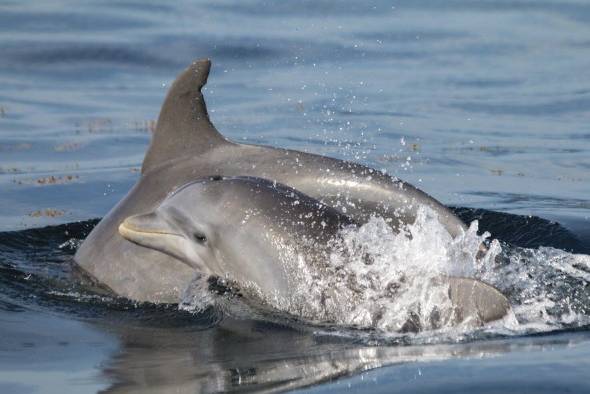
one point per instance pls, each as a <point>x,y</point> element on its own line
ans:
<point>375,278</point>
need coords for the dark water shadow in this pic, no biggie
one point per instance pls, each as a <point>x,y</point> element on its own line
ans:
<point>524,231</point>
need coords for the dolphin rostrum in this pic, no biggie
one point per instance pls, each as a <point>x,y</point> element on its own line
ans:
<point>267,240</point>
<point>185,147</point>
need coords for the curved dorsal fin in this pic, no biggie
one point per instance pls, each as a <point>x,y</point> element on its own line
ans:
<point>183,125</point>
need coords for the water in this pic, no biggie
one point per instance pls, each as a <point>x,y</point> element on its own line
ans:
<point>485,105</point>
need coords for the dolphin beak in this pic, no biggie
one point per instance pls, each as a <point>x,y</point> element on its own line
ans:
<point>152,231</point>
<point>141,228</point>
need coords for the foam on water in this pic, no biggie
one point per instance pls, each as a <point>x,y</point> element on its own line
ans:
<point>375,278</point>
<point>547,287</point>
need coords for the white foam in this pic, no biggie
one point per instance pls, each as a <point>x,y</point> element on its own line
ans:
<point>379,279</point>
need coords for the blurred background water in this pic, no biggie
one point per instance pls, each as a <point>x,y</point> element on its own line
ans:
<point>483,104</point>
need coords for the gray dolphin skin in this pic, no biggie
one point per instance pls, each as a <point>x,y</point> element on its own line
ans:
<point>247,229</point>
<point>255,233</point>
<point>185,147</point>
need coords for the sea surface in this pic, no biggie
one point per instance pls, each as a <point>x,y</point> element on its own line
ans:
<point>485,105</point>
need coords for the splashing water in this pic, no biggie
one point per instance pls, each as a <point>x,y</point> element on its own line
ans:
<point>547,287</point>
<point>375,278</point>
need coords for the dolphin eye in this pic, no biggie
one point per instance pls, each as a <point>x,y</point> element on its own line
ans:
<point>200,238</point>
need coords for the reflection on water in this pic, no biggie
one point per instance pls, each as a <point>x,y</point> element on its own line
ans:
<point>246,356</point>
<point>163,352</point>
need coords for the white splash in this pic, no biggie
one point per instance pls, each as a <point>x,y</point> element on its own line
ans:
<point>379,279</point>
<point>72,244</point>
<point>548,288</point>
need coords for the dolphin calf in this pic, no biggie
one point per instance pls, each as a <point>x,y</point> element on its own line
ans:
<point>243,229</point>
<point>267,240</point>
<point>185,147</point>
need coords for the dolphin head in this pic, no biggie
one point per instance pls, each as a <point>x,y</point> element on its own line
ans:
<point>238,227</point>
<point>176,229</point>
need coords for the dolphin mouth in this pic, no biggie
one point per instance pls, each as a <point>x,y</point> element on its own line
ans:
<point>130,231</point>
<point>140,228</point>
<point>148,231</point>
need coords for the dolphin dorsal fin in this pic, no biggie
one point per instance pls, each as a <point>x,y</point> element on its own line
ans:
<point>183,126</point>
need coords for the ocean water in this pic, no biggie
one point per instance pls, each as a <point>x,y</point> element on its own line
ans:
<point>483,104</point>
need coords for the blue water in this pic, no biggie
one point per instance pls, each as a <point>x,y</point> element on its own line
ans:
<point>483,104</point>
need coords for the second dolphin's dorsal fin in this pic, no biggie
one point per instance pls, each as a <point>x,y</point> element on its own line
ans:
<point>183,125</point>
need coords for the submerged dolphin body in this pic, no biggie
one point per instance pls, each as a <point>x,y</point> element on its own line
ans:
<point>186,147</point>
<point>267,240</point>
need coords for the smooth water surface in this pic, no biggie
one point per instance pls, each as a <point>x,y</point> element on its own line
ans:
<point>483,104</point>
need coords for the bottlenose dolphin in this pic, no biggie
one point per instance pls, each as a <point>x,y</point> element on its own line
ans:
<point>186,146</point>
<point>242,229</point>
<point>266,240</point>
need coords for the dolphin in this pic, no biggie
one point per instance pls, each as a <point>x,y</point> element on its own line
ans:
<point>242,229</point>
<point>185,147</point>
<point>264,240</point>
